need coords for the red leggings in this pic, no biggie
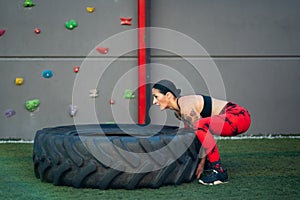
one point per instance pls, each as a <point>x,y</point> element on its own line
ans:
<point>233,120</point>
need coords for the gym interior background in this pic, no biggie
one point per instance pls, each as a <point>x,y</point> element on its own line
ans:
<point>254,44</point>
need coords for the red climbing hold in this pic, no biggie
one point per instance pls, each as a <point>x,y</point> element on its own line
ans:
<point>37,30</point>
<point>76,69</point>
<point>126,21</point>
<point>2,31</point>
<point>102,50</point>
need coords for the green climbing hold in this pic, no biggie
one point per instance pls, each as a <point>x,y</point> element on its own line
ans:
<point>32,105</point>
<point>128,94</point>
<point>71,24</point>
<point>28,3</point>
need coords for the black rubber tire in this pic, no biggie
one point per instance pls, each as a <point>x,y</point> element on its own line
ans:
<point>61,157</point>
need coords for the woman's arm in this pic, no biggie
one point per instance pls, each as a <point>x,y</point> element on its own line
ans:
<point>190,109</point>
<point>178,116</point>
<point>190,117</point>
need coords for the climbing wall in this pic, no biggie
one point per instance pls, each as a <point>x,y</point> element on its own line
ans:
<point>43,45</point>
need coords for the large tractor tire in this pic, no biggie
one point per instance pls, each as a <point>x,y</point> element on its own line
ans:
<point>115,156</point>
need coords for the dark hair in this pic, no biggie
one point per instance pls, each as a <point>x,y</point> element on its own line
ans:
<point>165,86</point>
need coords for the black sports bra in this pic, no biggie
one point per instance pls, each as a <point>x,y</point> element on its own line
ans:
<point>207,106</point>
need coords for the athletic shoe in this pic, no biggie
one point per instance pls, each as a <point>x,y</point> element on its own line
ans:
<point>214,178</point>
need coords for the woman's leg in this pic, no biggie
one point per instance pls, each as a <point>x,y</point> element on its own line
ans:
<point>207,140</point>
<point>218,175</point>
<point>234,121</point>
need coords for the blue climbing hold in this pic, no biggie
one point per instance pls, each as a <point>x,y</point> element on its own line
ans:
<point>47,73</point>
<point>9,113</point>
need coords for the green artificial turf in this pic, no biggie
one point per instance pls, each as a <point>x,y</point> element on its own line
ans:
<point>258,169</point>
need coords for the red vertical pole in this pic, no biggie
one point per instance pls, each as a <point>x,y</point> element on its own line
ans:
<point>141,62</point>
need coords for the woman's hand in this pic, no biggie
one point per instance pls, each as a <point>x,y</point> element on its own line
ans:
<point>200,167</point>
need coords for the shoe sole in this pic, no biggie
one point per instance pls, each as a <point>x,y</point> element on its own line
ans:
<point>214,183</point>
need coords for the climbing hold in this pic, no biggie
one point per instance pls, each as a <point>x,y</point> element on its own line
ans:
<point>19,81</point>
<point>71,24</point>
<point>2,31</point>
<point>76,69</point>
<point>128,94</point>
<point>126,21</point>
<point>90,9</point>
<point>28,3</point>
<point>93,93</point>
<point>47,73</point>
<point>72,110</point>
<point>9,113</point>
<point>37,30</point>
<point>111,102</point>
<point>102,50</point>
<point>32,105</point>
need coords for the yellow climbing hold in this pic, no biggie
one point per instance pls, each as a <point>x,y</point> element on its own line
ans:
<point>19,81</point>
<point>90,9</point>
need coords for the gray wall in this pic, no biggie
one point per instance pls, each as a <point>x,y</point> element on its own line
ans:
<point>254,45</point>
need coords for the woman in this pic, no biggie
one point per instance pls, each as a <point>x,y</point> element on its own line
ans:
<point>206,116</point>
